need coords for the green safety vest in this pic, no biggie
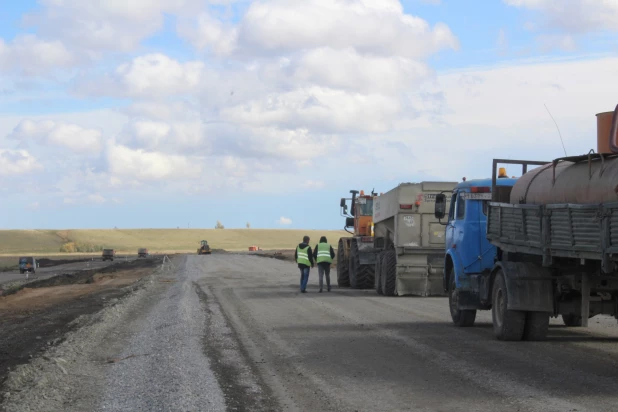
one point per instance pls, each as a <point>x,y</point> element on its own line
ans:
<point>303,256</point>
<point>324,253</point>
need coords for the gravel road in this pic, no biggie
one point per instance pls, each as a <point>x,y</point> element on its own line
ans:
<point>231,332</point>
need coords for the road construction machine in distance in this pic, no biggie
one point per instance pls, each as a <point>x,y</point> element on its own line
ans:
<point>204,248</point>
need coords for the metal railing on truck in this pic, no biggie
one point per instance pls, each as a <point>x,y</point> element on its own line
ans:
<point>557,230</point>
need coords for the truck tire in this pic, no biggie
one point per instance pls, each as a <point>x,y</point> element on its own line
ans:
<point>461,318</point>
<point>343,275</point>
<point>537,325</point>
<point>361,276</point>
<point>389,273</point>
<point>378,274</point>
<point>572,320</point>
<point>508,324</point>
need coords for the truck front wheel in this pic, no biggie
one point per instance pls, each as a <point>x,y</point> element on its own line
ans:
<point>343,276</point>
<point>461,318</point>
<point>508,324</point>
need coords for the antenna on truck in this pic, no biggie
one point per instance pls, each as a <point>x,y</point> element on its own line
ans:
<point>560,134</point>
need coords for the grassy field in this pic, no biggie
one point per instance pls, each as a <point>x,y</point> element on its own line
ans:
<point>50,242</point>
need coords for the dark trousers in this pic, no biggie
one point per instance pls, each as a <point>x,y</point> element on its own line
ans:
<point>324,269</point>
<point>304,278</point>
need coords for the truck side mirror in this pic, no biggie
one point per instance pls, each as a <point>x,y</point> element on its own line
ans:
<point>440,207</point>
<point>349,222</point>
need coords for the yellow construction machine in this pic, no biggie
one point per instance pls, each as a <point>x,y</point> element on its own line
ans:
<point>356,255</point>
<point>204,249</point>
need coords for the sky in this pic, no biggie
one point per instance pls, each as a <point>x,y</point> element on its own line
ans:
<point>182,113</point>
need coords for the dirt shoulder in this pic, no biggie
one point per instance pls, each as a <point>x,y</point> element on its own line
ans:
<point>37,315</point>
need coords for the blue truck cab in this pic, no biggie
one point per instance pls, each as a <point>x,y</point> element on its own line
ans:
<point>469,257</point>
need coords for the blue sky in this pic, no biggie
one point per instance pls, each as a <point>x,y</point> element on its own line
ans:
<point>168,113</point>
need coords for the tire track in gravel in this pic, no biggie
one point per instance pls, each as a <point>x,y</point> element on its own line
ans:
<point>241,383</point>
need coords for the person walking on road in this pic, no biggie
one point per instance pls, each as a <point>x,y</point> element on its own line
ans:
<point>304,258</point>
<point>324,254</point>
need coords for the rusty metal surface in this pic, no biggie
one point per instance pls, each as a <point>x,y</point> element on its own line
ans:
<point>604,126</point>
<point>579,182</point>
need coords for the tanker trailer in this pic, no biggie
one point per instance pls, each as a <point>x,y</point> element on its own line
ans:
<point>557,243</point>
<point>410,240</point>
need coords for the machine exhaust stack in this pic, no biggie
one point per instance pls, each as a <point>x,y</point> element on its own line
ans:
<point>604,126</point>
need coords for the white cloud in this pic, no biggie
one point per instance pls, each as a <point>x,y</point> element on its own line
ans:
<point>319,109</point>
<point>208,31</point>
<point>281,26</point>
<point>151,76</point>
<point>175,137</point>
<point>575,16</point>
<point>34,206</point>
<point>96,198</point>
<point>284,221</point>
<point>135,165</point>
<point>348,70</point>
<point>17,162</point>
<point>549,42</point>
<point>111,25</point>
<point>30,55</point>
<point>70,136</point>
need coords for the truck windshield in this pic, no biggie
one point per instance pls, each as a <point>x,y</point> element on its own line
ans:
<point>366,209</point>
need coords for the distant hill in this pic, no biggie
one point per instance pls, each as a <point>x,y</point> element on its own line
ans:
<point>14,242</point>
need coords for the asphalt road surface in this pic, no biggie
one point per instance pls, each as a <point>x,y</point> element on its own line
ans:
<point>231,332</point>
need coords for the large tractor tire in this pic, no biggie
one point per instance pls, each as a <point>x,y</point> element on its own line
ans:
<point>343,272</point>
<point>389,273</point>
<point>378,272</point>
<point>508,324</point>
<point>461,318</point>
<point>361,276</point>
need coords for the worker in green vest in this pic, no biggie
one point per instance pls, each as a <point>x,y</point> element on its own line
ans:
<point>324,254</point>
<point>304,258</point>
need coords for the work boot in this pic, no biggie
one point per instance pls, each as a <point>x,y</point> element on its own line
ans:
<point>320,291</point>
<point>329,288</point>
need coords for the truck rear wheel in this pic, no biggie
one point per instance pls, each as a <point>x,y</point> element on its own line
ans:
<point>361,276</point>
<point>343,275</point>
<point>461,318</point>
<point>508,324</point>
<point>389,273</point>
<point>572,320</point>
<point>537,325</point>
<point>378,274</point>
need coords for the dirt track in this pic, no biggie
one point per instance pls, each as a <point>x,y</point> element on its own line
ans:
<point>231,332</point>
